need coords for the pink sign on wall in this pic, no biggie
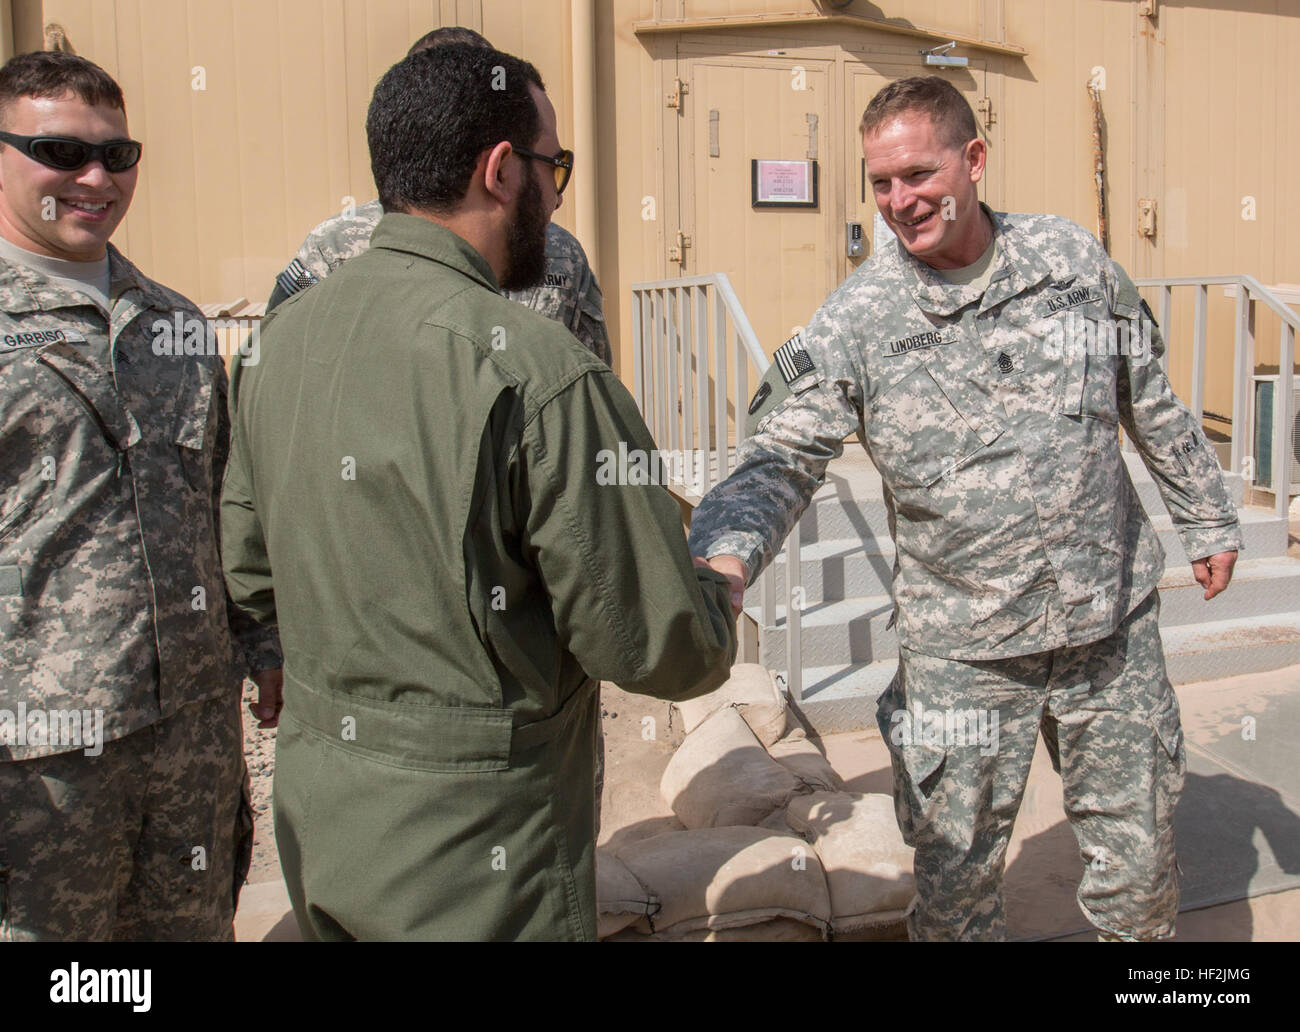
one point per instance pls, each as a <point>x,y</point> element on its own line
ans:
<point>783,184</point>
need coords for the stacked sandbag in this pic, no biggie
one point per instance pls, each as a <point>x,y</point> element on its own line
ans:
<point>868,866</point>
<point>721,775</point>
<point>745,774</point>
<point>797,753</point>
<point>728,883</point>
<point>753,691</point>
<point>621,900</point>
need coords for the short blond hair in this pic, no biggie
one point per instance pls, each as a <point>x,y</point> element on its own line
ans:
<point>948,110</point>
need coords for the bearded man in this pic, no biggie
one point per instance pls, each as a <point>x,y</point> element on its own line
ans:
<point>413,498</point>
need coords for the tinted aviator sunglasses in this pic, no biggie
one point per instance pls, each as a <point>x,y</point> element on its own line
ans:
<point>67,153</point>
<point>562,165</point>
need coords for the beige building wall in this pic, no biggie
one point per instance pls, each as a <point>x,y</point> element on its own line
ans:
<point>252,114</point>
<point>1194,103</point>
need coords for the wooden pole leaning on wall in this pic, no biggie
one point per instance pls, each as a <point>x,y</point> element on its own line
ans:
<point>583,41</point>
<point>56,38</point>
<point>1099,166</point>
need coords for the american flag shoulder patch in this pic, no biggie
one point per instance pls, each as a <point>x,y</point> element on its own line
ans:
<point>294,278</point>
<point>793,361</point>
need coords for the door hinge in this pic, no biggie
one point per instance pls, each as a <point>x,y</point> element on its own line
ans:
<point>985,108</point>
<point>1148,9</point>
<point>675,97</point>
<point>1146,216</point>
<point>677,253</point>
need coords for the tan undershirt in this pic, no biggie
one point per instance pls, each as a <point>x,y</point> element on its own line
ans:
<point>88,278</point>
<point>980,271</point>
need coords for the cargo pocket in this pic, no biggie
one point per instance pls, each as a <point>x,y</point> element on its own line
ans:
<point>917,766</point>
<point>1169,732</point>
<point>1090,381</point>
<point>193,412</point>
<point>243,838</point>
<point>917,435</point>
<point>435,739</point>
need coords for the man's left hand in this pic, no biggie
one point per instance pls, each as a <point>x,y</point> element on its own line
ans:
<point>1213,572</point>
<point>270,696</point>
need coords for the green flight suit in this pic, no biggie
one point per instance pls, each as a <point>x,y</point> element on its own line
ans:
<point>415,457</point>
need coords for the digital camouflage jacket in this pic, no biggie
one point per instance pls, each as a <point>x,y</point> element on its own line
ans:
<point>111,460</point>
<point>994,423</point>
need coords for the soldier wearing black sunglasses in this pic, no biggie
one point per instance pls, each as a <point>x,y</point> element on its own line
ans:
<point>67,153</point>
<point>112,452</point>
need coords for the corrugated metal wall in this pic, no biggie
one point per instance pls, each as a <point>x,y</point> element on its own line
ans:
<point>1198,107</point>
<point>253,115</point>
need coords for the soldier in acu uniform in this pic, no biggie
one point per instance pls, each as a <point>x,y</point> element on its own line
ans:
<point>413,498</point>
<point>123,793</point>
<point>568,292</point>
<point>988,362</point>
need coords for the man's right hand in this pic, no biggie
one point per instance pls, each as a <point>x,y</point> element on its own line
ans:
<point>270,697</point>
<point>734,570</point>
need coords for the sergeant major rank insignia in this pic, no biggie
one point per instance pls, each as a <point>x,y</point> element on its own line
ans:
<point>793,361</point>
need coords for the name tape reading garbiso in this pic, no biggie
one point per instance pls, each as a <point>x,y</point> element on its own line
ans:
<point>12,340</point>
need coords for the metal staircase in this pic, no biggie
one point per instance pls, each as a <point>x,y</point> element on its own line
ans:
<point>846,560</point>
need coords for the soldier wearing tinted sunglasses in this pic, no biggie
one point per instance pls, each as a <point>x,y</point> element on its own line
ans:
<point>111,457</point>
<point>69,153</point>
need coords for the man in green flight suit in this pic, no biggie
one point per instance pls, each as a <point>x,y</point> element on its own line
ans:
<point>412,496</point>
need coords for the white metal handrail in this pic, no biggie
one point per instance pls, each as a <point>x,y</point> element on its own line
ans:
<point>1247,292</point>
<point>683,330</point>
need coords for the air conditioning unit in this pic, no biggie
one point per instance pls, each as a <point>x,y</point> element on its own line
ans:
<point>1265,394</point>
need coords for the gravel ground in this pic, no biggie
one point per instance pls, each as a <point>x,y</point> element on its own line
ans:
<point>259,751</point>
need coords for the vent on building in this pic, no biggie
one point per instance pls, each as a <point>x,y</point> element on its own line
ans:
<point>1265,394</point>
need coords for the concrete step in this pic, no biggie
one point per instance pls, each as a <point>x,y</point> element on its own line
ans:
<point>851,502</point>
<point>1260,587</point>
<point>1223,648</point>
<point>848,631</point>
<point>1264,535</point>
<point>849,567</point>
<point>843,697</point>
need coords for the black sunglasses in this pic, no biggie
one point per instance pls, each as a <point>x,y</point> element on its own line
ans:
<point>67,153</point>
<point>563,163</point>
